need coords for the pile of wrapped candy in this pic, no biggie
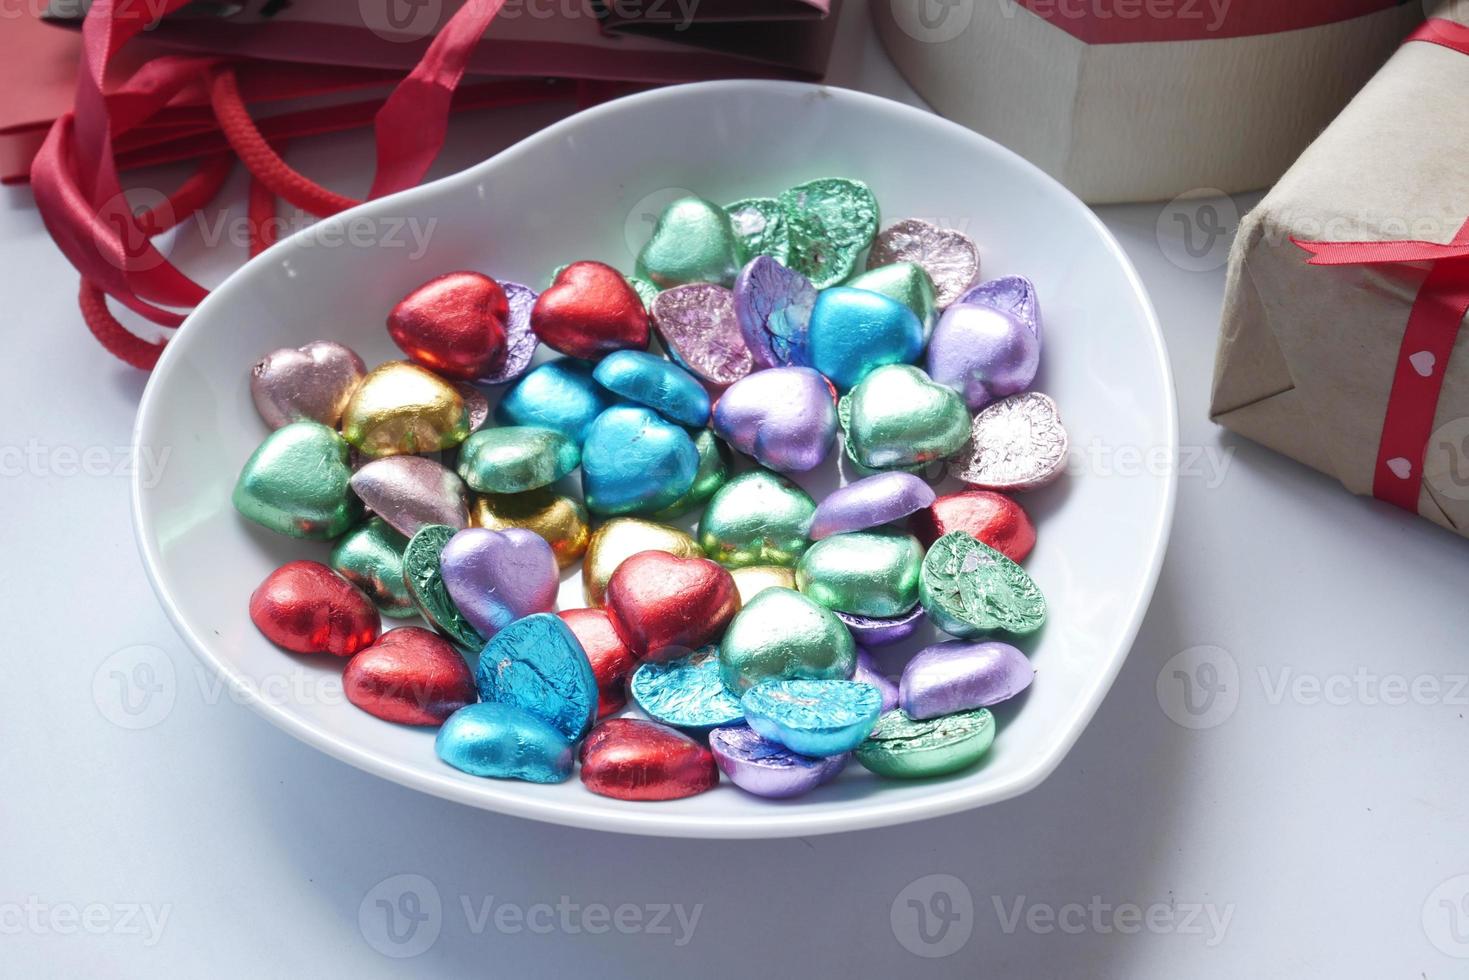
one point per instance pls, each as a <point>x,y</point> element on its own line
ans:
<point>741,647</point>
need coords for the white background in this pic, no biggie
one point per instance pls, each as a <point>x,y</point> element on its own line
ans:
<point>1312,828</point>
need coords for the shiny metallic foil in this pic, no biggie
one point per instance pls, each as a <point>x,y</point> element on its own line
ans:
<point>633,759</point>
<point>686,693</point>
<point>970,590</point>
<point>403,408</point>
<point>865,573</point>
<point>521,341</point>
<point>714,464</point>
<point>697,326</point>
<point>297,483</point>
<point>830,222</point>
<point>782,635</point>
<point>1015,444</point>
<point>501,741</point>
<point>621,538</point>
<point>898,417</point>
<point>758,518</point>
<point>411,491</point>
<point>765,768</point>
<point>760,227</point>
<point>371,558</point>
<point>813,717</point>
<point>537,665</point>
<point>516,458</point>
<point>900,748</point>
<point>425,583</point>
<point>693,241</point>
<point>755,579</point>
<point>312,382</point>
<point>561,520</point>
<point>665,607</point>
<point>950,258</point>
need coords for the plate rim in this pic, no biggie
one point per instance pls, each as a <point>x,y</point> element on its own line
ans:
<point>637,818</point>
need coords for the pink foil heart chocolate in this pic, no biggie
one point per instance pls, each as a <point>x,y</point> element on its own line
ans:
<point>312,382</point>
<point>697,325</point>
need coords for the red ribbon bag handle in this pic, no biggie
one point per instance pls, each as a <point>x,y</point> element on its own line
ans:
<point>81,199</point>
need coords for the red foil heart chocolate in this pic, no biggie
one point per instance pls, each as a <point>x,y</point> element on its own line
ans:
<point>665,607</point>
<point>633,759</point>
<point>454,325</point>
<point>612,662</point>
<point>990,517</point>
<point>411,676</point>
<point>590,311</point>
<point>308,608</point>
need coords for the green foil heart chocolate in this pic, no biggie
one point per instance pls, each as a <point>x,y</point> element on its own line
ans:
<point>371,557</point>
<point>970,590</point>
<point>782,635</point>
<point>758,518</point>
<point>296,483</point>
<point>901,748</point>
<point>760,227</point>
<point>516,458</point>
<point>898,418</point>
<point>830,223</point>
<point>864,573</point>
<point>692,242</point>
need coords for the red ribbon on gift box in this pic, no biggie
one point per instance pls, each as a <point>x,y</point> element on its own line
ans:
<point>1433,326</point>
<point>1149,21</point>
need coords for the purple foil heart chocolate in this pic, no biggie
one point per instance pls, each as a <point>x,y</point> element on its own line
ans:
<point>879,631</point>
<point>698,328</point>
<point>959,676</point>
<point>983,353</point>
<point>773,306</point>
<point>410,492</point>
<point>497,577</point>
<point>870,502</point>
<point>766,768</point>
<point>1012,294</point>
<point>784,417</point>
<point>520,341</point>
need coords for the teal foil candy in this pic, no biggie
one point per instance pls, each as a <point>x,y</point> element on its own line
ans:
<point>536,665</point>
<point>636,462</point>
<point>692,242</point>
<point>296,483</point>
<point>504,742</point>
<point>560,395</point>
<point>853,332</point>
<point>657,383</point>
<point>686,693</point>
<point>516,458</point>
<point>813,717</point>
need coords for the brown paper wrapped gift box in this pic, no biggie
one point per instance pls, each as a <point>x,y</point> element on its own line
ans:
<point>1307,354</point>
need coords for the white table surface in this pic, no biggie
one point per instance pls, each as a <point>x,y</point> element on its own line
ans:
<point>1315,826</point>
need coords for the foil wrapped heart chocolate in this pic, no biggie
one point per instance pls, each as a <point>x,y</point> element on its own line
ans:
<point>454,325</point>
<point>589,311</point>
